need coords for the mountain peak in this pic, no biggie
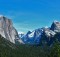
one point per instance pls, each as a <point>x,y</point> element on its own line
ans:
<point>56,22</point>
<point>55,26</point>
<point>7,30</point>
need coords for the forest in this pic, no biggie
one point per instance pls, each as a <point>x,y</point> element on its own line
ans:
<point>8,49</point>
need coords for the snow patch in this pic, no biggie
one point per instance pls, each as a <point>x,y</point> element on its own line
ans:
<point>32,34</point>
<point>21,32</point>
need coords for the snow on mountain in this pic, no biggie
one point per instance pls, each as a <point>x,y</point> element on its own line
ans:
<point>32,37</point>
<point>31,34</point>
<point>21,32</point>
<point>42,35</point>
<point>47,33</point>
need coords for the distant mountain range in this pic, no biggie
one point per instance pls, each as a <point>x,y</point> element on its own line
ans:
<point>44,35</point>
<point>42,42</point>
<point>40,36</point>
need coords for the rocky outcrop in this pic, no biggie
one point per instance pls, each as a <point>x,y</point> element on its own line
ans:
<point>7,30</point>
<point>48,32</point>
<point>55,26</point>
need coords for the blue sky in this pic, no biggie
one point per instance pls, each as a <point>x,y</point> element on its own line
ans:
<point>30,14</point>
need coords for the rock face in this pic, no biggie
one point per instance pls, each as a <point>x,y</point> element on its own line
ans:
<point>55,26</point>
<point>48,32</point>
<point>7,30</point>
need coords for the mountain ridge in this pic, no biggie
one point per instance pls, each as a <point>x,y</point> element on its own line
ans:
<point>35,36</point>
<point>31,37</point>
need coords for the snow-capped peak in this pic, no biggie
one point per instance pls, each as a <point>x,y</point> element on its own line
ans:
<point>32,34</point>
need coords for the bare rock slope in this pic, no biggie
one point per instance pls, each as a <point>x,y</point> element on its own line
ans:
<point>7,30</point>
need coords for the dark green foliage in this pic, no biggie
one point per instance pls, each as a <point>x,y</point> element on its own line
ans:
<point>8,49</point>
<point>55,50</point>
